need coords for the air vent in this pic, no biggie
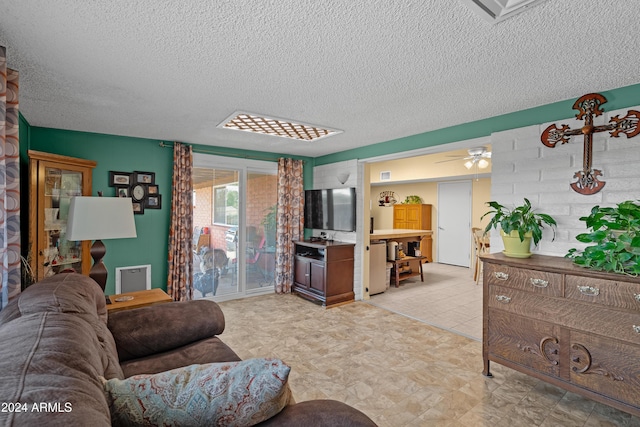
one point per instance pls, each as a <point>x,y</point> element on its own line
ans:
<point>496,11</point>
<point>385,176</point>
<point>284,128</point>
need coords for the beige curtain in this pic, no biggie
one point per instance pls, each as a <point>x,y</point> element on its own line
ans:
<point>290,220</point>
<point>9,183</point>
<point>180,277</point>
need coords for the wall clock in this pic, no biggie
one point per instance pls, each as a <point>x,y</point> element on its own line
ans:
<point>138,192</point>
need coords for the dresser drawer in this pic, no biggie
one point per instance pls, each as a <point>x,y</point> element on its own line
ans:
<point>613,293</point>
<point>540,282</point>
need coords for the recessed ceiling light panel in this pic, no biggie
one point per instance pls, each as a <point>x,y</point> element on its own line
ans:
<point>495,11</point>
<point>258,123</point>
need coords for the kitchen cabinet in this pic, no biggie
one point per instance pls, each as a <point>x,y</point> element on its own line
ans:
<point>53,181</point>
<point>415,217</point>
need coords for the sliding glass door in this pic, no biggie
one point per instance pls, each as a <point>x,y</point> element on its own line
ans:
<point>234,226</point>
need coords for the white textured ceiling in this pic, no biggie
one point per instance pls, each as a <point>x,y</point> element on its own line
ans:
<point>376,69</point>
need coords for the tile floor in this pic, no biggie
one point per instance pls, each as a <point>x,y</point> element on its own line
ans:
<point>448,298</point>
<point>401,371</point>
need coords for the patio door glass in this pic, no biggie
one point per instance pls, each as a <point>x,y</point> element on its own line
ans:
<point>233,235</point>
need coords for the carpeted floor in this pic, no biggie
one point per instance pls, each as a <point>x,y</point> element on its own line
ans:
<point>398,370</point>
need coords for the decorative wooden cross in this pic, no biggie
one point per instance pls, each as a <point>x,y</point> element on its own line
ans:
<point>589,105</point>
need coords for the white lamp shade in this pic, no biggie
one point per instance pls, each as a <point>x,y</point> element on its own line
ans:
<point>97,218</point>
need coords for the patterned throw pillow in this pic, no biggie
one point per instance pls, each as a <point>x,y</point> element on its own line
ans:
<point>230,394</point>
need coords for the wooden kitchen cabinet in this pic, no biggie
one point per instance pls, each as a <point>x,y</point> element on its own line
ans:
<point>575,328</point>
<point>323,271</point>
<point>53,180</point>
<point>415,217</point>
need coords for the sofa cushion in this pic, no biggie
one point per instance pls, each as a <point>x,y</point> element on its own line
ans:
<point>231,394</point>
<point>158,328</point>
<point>53,359</point>
<point>210,350</point>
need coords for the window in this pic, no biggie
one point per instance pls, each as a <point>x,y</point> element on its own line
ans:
<point>225,204</point>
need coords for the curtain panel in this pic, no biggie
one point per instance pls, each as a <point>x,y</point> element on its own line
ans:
<point>290,220</point>
<point>9,183</point>
<point>180,277</point>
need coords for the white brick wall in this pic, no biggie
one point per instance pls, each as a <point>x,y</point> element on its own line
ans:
<point>523,167</point>
<point>325,176</point>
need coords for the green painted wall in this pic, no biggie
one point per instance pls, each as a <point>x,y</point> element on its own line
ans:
<point>122,154</point>
<point>616,99</point>
<point>128,154</point>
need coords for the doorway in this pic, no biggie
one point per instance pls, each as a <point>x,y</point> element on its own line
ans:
<point>234,227</point>
<point>454,223</point>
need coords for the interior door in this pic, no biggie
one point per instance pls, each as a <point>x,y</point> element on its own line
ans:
<point>454,223</point>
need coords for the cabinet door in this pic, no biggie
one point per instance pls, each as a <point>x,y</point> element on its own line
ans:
<point>54,180</point>
<point>317,277</point>
<point>302,272</point>
<point>607,366</point>
<point>525,341</point>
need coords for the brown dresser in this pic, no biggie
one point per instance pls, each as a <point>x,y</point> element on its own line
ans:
<point>575,328</point>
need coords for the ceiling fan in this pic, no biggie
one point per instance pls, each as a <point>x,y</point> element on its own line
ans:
<point>477,157</point>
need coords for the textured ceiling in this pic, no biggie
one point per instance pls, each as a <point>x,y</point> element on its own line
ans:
<point>376,69</point>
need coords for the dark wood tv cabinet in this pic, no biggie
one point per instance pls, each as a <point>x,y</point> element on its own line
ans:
<point>323,271</point>
<point>573,327</point>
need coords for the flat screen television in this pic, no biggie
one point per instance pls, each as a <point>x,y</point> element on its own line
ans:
<point>330,209</point>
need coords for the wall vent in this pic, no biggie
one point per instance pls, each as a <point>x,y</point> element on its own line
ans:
<point>385,176</point>
<point>133,278</point>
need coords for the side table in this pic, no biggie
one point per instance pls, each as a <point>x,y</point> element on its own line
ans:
<point>137,299</point>
<point>407,260</point>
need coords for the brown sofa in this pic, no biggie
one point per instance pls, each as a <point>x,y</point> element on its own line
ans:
<point>56,343</point>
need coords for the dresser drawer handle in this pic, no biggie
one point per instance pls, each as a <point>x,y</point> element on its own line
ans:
<point>539,283</point>
<point>636,329</point>
<point>589,291</point>
<point>503,299</point>
<point>501,275</point>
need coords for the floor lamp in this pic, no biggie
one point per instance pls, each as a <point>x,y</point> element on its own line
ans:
<point>100,218</point>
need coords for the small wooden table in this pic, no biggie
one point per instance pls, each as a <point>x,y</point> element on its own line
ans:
<point>140,299</point>
<point>407,260</point>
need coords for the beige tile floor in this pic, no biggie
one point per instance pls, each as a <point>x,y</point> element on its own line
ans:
<point>398,370</point>
<point>448,298</point>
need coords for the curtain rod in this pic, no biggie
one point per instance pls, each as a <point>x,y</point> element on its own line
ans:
<point>222,153</point>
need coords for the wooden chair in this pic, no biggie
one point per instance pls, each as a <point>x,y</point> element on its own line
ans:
<point>479,247</point>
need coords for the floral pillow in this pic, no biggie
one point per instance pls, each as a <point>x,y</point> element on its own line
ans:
<point>230,394</point>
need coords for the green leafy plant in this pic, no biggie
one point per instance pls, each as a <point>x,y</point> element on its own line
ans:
<point>412,200</point>
<point>523,219</point>
<point>614,237</point>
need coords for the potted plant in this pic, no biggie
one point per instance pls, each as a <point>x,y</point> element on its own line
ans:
<point>412,200</point>
<point>614,238</point>
<point>518,226</point>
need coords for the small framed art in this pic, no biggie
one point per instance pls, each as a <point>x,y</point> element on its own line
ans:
<point>154,201</point>
<point>122,191</point>
<point>138,207</point>
<point>144,178</point>
<point>119,178</point>
<point>152,189</point>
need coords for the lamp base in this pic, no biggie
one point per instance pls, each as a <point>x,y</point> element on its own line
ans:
<point>98,271</point>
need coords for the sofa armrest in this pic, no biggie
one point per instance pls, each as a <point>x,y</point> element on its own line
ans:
<point>319,413</point>
<point>158,328</point>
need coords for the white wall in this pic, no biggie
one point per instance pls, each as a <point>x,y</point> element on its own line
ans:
<point>325,176</point>
<point>524,167</point>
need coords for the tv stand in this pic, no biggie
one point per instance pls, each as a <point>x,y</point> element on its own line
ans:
<point>323,271</point>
